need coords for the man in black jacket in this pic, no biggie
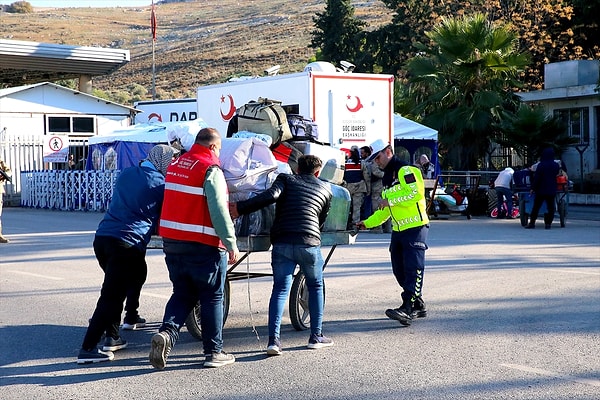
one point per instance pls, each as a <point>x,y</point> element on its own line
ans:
<point>302,203</point>
<point>544,188</point>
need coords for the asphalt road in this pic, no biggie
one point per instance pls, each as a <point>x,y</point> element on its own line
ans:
<point>512,314</point>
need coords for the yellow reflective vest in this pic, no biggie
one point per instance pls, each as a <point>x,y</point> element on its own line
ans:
<point>406,202</point>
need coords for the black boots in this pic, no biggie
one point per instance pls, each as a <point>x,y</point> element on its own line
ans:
<point>402,314</point>
<point>418,309</point>
<point>412,307</point>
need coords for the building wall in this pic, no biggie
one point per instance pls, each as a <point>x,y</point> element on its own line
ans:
<point>24,126</point>
<point>590,156</point>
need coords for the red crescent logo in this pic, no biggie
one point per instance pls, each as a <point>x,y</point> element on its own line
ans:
<point>358,104</point>
<point>227,116</point>
<point>155,115</point>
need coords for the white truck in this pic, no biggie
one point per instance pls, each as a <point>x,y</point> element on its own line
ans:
<point>176,110</point>
<point>349,108</point>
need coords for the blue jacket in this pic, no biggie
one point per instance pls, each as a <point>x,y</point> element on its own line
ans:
<point>135,206</point>
<point>544,178</point>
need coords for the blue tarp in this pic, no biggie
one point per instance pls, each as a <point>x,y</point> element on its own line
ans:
<point>127,147</point>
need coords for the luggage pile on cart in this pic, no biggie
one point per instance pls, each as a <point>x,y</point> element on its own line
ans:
<point>251,161</point>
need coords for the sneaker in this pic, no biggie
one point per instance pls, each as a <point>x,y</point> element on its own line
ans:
<point>216,360</point>
<point>319,341</point>
<point>161,347</point>
<point>400,314</point>
<point>3,239</point>
<point>133,324</point>
<point>419,310</point>
<point>94,356</point>
<point>112,344</point>
<point>274,346</point>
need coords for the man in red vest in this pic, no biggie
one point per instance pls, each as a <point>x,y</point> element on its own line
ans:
<point>198,242</point>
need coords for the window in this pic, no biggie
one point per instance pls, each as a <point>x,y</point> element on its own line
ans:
<point>59,124</point>
<point>83,124</point>
<point>79,126</point>
<point>577,121</point>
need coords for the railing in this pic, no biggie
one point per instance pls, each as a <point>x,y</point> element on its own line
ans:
<point>68,190</point>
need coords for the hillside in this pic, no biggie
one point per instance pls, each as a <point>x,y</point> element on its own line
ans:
<point>198,43</point>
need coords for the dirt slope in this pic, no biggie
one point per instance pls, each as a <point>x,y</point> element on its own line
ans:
<point>198,43</point>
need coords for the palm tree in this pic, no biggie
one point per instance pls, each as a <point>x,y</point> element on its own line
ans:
<point>530,130</point>
<point>463,82</point>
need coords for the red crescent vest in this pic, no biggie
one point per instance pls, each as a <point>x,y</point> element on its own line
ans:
<point>185,214</point>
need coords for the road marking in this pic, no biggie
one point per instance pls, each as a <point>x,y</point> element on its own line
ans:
<point>42,234</point>
<point>158,296</point>
<point>54,278</point>
<point>585,381</point>
<point>572,271</point>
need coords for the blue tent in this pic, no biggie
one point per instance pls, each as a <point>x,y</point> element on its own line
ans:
<point>127,147</point>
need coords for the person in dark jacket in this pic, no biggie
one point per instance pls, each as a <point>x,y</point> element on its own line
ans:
<point>120,248</point>
<point>302,203</point>
<point>544,188</point>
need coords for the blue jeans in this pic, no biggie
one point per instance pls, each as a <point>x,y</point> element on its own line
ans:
<point>284,258</point>
<point>198,273</point>
<point>504,194</point>
<point>407,250</point>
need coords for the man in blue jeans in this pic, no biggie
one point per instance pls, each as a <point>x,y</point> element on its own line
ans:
<point>198,242</point>
<point>503,186</point>
<point>302,203</point>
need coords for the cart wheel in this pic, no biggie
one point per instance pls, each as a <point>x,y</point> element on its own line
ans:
<point>562,212</point>
<point>192,322</point>
<point>298,307</point>
<point>524,216</point>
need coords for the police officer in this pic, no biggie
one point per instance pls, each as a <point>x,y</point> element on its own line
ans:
<point>404,203</point>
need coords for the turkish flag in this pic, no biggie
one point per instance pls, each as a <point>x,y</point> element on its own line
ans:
<point>153,22</point>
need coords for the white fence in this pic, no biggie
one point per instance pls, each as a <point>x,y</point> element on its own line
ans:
<point>68,190</point>
<point>20,153</point>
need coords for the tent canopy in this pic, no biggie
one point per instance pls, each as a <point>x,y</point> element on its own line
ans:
<point>404,128</point>
<point>126,147</point>
<point>412,137</point>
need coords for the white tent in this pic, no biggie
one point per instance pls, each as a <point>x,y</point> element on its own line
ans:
<point>126,147</point>
<point>404,128</point>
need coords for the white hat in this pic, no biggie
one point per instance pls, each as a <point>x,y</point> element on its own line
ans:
<point>376,147</point>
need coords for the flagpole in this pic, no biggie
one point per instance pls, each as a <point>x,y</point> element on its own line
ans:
<point>153,73</point>
<point>153,26</point>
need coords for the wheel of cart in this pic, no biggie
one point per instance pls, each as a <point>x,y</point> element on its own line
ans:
<point>298,307</point>
<point>562,206</point>
<point>522,207</point>
<point>562,202</point>
<point>298,299</point>
<point>192,322</point>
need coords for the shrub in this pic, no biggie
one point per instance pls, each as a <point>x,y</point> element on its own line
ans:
<point>20,7</point>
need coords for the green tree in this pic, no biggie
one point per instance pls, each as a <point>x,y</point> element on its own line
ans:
<point>463,82</point>
<point>549,30</point>
<point>338,34</point>
<point>388,48</point>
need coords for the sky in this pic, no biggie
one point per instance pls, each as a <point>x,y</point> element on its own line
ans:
<point>89,3</point>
